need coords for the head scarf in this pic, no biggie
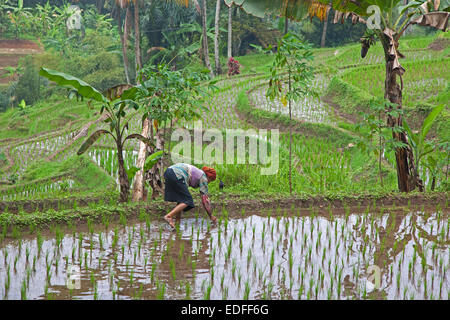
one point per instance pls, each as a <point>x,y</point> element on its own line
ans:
<point>210,172</point>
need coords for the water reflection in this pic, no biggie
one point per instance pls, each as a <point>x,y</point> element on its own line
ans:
<point>260,256</point>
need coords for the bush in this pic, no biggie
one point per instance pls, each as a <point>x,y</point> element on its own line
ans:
<point>28,85</point>
<point>233,67</point>
<point>4,101</point>
<point>92,62</point>
<point>7,97</point>
<point>102,70</point>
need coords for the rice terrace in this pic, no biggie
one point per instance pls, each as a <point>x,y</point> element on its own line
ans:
<point>224,150</point>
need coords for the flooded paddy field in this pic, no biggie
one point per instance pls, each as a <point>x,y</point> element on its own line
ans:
<point>373,253</point>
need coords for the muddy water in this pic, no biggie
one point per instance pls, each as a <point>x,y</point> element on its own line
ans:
<point>304,255</point>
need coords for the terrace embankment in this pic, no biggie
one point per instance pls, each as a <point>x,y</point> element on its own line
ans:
<point>44,213</point>
<point>11,51</point>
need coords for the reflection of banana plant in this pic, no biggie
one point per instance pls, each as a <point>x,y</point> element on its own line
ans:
<point>420,147</point>
<point>115,107</point>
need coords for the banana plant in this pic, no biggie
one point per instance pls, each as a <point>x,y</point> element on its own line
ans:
<point>43,17</point>
<point>19,16</point>
<point>420,146</point>
<point>149,164</point>
<point>115,108</point>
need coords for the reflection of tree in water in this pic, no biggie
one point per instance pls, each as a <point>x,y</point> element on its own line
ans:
<point>402,231</point>
<point>172,261</point>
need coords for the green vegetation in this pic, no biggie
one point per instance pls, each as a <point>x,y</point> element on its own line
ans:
<point>78,144</point>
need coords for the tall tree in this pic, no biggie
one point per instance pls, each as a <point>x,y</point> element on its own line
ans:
<point>388,25</point>
<point>324,32</point>
<point>137,37</point>
<point>218,68</point>
<point>230,32</point>
<point>205,50</point>
<point>122,4</point>
<point>149,131</point>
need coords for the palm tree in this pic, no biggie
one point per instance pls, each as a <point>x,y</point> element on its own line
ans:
<point>394,20</point>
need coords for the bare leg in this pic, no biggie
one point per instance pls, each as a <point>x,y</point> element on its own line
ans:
<point>176,211</point>
<point>178,217</point>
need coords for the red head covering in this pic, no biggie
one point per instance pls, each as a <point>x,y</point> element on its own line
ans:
<point>210,172</point>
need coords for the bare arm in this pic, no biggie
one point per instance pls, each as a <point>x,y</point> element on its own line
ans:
<point>207,205</point>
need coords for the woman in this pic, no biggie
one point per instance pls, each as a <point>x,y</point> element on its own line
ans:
<point>177,179</point>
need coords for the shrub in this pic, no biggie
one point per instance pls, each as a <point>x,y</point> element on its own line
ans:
<point>7,97</point>
<point>233,67</point>
<point>4,101</point>
<point>28,85</point>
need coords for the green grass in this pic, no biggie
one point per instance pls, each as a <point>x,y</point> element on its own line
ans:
<point>317,147</point>
<point>254,63</point>
<point>87,176</point>
<point>422,81</point>
<point>54,114</point>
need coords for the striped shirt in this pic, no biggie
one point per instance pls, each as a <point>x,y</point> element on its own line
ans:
<point>192,176</point>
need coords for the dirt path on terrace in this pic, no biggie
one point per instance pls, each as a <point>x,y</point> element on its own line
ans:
<point>11,51</point>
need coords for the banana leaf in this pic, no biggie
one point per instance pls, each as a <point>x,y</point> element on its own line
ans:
<point>83,88</point>
<point>91,140</point>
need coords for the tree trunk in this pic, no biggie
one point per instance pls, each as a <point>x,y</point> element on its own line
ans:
<point>123,177</point>
<point>286,25</point>
<point>407,175</point>
<point>230,33</point>
<point>205,39</point>
<point>433,183</point>
<point>124,45</point>
<point>324,33</point>
<point>99,6</point>
<point>138,185</point>
<point>218,68</point>
<point>137,38</point>
<point>290,138</point>
<point>154,174</point>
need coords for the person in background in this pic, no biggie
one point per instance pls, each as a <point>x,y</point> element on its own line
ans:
<point>178,178</point>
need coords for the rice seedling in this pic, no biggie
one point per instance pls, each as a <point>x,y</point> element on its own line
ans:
<point>23,290</point>
<point>172,268</point>
<point>8,279</point>
<point>272,260</point>
<point>246,291</point>
<point>161,290</point>
<point>225,293</point>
